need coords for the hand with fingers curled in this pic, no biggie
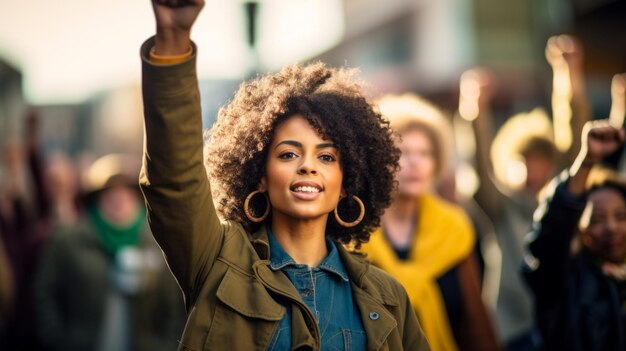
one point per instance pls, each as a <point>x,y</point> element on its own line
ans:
<point>618,100</point>
<point>479,84</point>
<point>599,139</point>
<point>174,20</point>
<point>564,50</point>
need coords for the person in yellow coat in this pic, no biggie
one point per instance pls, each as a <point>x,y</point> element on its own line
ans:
<point>426,242</point>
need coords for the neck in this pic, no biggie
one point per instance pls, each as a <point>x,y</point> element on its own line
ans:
<point>303,240</point>
<point>402,208</point>
<point>399,219</point>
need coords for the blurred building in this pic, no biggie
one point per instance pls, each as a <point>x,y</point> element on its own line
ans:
<point>417,45</point>
<point>11,100</point>
<point>424,46</point>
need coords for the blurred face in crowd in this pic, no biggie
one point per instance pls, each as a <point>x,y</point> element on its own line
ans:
<point>119,204</point>
<point>539,170</point>
<point>61,177</point>
<point>604,225</point>
<point>417,163</point>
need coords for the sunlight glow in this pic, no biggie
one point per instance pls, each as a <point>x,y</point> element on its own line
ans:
<point>69,50</point>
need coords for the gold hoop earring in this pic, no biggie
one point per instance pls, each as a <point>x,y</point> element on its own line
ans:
<point>248,212</point>
<point>356,221</point>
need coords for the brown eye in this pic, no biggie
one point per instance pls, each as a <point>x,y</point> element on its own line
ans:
<point>287,155</point>
<point>327,158</point>
<point>595,220</point>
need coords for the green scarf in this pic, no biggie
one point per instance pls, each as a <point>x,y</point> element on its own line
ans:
<point>113,237</point>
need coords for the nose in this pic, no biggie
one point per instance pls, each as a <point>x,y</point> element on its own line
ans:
<point>307,166</point>
<point>611,224</point>
<point>410,158</point>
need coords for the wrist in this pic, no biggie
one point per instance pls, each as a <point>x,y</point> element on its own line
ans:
<point>170,59</point>
<point>172,42</point>
<point>587,163</point>
<point>581,165</point>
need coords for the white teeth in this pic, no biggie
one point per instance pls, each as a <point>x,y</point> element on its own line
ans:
<point>307,189</point>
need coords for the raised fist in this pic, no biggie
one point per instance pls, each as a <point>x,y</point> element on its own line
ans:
<point>564,49</point>
<point>600,139</point>
<point>174,19</point>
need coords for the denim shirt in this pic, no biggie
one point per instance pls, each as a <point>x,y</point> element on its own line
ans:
<point>326,290</point>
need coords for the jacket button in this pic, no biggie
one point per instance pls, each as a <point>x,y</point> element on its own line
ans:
<point>374,316</point>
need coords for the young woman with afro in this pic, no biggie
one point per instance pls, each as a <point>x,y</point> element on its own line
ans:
<point>298,164</point>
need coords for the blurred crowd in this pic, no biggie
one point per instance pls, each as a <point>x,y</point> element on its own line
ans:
<point>79,269</point>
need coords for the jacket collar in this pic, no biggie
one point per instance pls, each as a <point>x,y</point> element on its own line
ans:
<point>371,294</point>
<point>356,266</point>
<point>279,258</point>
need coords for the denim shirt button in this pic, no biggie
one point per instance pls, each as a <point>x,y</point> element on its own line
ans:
<point>374,316</point>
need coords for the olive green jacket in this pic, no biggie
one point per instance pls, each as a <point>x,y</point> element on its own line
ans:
<point>230,291</point>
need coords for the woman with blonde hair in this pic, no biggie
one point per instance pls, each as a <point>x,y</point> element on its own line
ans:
<point>426,242</point>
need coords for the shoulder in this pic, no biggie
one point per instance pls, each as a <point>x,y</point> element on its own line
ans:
<point>65,235</point>
<point>390,289</point>
<point>449,212</point>
<point>443,206</point>
<point>381,277</point>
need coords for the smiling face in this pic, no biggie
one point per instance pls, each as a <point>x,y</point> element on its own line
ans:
<point>303,175</point>
<point>604,230</point>
<point>417,163</point>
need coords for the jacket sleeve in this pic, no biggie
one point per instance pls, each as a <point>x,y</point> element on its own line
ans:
<point>547,253</point>
<point>180,209</point>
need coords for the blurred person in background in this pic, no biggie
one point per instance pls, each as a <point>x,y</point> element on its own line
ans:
<point>426,242</point>
<point>6,291</point>
<point>55,180</point>
<point>62,184</point>
<point>23,204</point>
<point>526,152</point>
<point>580,294</point>
<point>102,284</point>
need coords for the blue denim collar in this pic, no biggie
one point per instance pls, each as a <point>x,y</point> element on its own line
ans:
<point>279,258</point>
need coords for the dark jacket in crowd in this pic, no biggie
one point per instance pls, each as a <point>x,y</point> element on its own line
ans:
<point>78,279</point>
<point>24,230</point>
<point>577,306</point>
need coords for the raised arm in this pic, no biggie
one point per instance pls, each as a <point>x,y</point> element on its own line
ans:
<point>474,107</point>
<point>549,245</point>
<point>570,108</point>
<point>618,100</point>
<point>599,139</point>
<point>173,179</point>
<point>43,202</point>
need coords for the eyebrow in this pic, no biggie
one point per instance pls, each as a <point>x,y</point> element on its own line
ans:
<point>299,144</point>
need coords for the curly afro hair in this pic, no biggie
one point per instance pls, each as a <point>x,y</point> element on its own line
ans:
<point>332,102</point>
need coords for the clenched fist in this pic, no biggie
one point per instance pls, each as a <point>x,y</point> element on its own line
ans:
<point>174,19</point>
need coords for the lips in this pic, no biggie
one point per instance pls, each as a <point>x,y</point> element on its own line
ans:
<point>412,179</point>
<point>306,190</point>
